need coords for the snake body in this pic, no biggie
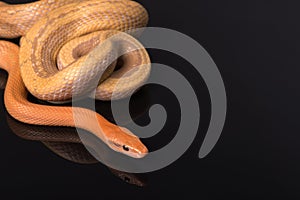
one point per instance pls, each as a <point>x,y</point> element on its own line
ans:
<point>33,68</point>
<point>65,142</point>
<point>16,20</point>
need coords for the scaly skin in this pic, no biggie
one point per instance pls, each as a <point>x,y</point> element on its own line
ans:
<point>16,20</point>
<point>17,105</point>
<point>49,34</point>
<point>39,49</point>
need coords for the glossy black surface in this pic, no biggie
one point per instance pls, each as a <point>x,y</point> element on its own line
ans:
<point>255,45</point>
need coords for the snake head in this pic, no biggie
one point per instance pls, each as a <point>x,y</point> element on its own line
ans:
<point>124,141</point>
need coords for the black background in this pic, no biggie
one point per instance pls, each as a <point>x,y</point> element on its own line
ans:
<point>255,45</point>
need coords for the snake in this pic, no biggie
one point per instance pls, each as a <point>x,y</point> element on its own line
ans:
<point>65,142</point>
<point>69,50</point>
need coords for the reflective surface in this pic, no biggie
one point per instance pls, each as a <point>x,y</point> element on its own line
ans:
<point>255,45</point>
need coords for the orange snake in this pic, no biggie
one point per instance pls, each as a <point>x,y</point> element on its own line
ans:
<point>65,142</point>
<point>49,31</point>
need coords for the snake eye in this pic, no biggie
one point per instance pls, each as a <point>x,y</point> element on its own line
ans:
<point>125,148</point>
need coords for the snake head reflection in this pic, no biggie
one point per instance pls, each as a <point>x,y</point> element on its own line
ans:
<point>131,178</point>
<point>122,140</point>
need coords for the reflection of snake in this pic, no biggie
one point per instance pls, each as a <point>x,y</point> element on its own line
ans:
<point>40,48</point>
<point>65,142</point>
<point>3,77</point>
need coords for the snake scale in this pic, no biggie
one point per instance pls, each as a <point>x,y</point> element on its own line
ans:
<point>66,47</point>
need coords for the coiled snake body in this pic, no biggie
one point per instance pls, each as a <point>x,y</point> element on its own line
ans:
<point>61,55</point>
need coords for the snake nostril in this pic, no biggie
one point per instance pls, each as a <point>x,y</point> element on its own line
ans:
<point>125,148</point>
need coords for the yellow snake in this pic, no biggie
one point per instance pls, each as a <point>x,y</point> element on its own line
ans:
<point>64,48</point>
